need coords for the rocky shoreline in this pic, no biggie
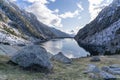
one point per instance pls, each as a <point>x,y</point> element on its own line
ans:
<point>93,49</point>
<point>42,62</point>
<point>99,49</point>
<point>62,71</point>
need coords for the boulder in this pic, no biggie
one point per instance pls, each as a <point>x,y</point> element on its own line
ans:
<point>93,76</point>
<point>3,77</point>
<point>33,57</point>
<point>92,69</point>
<point>115,70</point>
<point>60,57</point>
<point>95,59</point>
<point>105,68</point>
<point>107,76</point>
<point>115,66</point>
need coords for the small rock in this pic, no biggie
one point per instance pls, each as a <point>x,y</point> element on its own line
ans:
<point>33,57</point>
<point>115,66</point>
<point>95,59</point>
<point>105,68</point>
<point>115,71</point>
<point>92,75</point>
<point>3,77</point>
<point>107,76</point>
<point>21,45</point>
<point>60,57</point>
<point>92,69</point>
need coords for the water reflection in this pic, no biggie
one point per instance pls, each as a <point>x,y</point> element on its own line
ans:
<point>69,47</point>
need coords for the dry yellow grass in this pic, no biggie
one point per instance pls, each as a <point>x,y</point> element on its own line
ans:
<point>61,71</point>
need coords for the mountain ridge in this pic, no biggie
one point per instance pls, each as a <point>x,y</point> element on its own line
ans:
<point>26,24</point>
<point>99,36</point>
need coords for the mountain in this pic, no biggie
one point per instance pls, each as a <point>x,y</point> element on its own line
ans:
<point>23,25</point>
<point>101,36</point>
<point>60,34</point>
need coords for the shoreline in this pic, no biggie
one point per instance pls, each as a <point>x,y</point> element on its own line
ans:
<point>61,71</point>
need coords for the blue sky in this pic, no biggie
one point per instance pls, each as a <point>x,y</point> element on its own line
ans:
<point>66,15</point>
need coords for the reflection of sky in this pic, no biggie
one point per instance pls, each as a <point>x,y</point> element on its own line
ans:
<point>69,47</point>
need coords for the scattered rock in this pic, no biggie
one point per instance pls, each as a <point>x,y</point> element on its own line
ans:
<point>95,59</point>
<point>60,57</point>
<point>21,45</point>
<point>105,68</point>
<point>33,57</point>
<point>3,77</point>
<point>92,75</point>
<point>106,72</point>
<point>115,66</point>
<point>107,76</point>
<point>115,71</point>
<point>92,69</point>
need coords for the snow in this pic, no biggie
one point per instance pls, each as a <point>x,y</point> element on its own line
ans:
<point>9,38</point>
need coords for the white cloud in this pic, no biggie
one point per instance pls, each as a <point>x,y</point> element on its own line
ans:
<point>32,1</point>
<point>56,11</point>
<point>12,0</point>
<point>52,0</point>
<point>49,17</point>
<point>44,14</point>
<point>80,6</point>
<point>96,6</point>
<point>73,14</point>
<point>69,14</point>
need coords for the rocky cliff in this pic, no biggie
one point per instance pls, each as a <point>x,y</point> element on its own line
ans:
<point>17,23</point>
<point>101,36</point>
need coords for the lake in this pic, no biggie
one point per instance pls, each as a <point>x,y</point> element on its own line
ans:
<point>69,47</point>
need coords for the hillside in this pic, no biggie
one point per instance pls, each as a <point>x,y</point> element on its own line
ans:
<point>101,36</point>
<point>22,24</point>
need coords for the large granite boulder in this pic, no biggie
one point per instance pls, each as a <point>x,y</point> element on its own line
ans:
<point>33,57</point>
<point>60,57</point>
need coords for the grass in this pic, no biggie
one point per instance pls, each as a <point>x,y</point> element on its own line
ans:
<point>61,71</point>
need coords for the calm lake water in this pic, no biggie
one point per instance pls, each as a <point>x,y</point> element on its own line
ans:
<point>69,47</point>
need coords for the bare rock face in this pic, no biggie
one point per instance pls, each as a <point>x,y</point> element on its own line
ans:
<point>101,36</point>
<point>60,57</point>
<point>33,57</point>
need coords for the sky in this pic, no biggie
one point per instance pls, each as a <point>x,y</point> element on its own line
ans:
<point>66,15</point>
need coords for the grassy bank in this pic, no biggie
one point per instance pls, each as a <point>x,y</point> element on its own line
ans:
<point>60,71</point>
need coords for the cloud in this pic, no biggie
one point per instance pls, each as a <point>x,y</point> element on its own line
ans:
<point>50,17</point>
<point>32,1</point>
<point>52,0</point>
<point>44,14</point>
<point>12,0</point>
<point>72,14</point>
<point>69,14</point>
<point>96,6</point>
<point>80,6</point>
